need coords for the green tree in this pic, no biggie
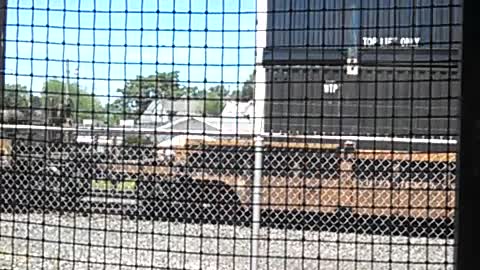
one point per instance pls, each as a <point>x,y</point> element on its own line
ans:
<point>219,90</point>
<point>15,97</point>
<point>115,111</point>
<point>248,88</point>
<point>139,92</point>
<point>36,102</point>
<point>83,104</point>
<point>199,94</point>
<point>213,104</point>
<point>194,92</point>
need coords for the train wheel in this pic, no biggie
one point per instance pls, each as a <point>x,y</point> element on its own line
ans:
<point>220,203</point>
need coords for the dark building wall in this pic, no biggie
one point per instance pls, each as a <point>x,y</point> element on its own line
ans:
<point>330,30</point>
<point>383,101</point>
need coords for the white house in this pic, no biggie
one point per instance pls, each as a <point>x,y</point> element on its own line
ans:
<point>127,123</point>
<point>162,111</point>
<point>236,118</point>
<point>234,109</point>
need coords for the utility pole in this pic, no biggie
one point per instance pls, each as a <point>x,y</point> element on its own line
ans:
<point>67,120</point>
<point>67,90</point>
<point>75,106</point>
<point>62,117</point>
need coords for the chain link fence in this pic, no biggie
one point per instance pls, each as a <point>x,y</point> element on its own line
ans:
<point>229,134</point>
<point>310,191</point>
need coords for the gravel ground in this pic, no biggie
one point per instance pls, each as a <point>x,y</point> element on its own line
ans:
<point>51,241</point>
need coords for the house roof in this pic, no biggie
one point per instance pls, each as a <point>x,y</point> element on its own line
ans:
<point>181,106</point>
<point>222,125</point>
<point>159,111</point>
<point>229,125</point>
<point>234,108</point>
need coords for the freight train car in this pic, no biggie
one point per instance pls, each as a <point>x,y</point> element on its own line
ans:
<point>380,101</point>
<point>364,68</point>
<point>298,177</point>
<point>308,177</point>
<point>373,31</point>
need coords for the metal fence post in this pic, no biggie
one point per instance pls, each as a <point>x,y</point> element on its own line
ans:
<point>256,200</point>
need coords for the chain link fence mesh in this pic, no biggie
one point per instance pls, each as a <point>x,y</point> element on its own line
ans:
<point>228,134</point>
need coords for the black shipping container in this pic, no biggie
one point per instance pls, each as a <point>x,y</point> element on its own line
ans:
<point>331,30</point>
<point>381,101</point>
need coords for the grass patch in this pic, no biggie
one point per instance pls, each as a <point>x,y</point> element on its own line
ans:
<point>121,186</point>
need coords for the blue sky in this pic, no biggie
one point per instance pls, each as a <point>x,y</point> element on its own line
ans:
<point>230,39</point>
